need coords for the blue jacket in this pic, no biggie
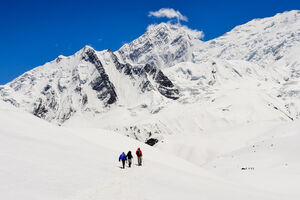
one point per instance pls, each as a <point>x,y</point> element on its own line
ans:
<point>122,157</point>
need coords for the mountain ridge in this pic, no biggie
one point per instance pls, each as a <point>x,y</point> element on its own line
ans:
<point>162,45</point>
<point>74,82</point>
<point>169,67</point>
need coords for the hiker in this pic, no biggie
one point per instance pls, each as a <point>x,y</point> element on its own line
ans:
<point>123,158</point>
<point>139,155</point>
<point>129,157</point>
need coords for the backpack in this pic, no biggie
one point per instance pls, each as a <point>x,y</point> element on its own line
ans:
<point>138,153</point>
<point>129,156</point>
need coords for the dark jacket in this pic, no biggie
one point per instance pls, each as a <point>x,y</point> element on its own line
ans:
<point>129,155</point>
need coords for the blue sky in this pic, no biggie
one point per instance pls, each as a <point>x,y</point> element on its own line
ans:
<point>33,32</point>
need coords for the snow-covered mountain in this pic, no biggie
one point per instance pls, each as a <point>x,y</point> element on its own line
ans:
<point>272,44</point>
<point>223,116</point>
<point>267,42</point>
<point>163,45</point>
<point>88,81</point>
<point>168,81</point>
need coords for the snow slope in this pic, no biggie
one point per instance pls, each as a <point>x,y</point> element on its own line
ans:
<point>273,157</point>
<point>236,93</point>
<point>43,161</point>
<point>260,155</point>
<point>265,41</point>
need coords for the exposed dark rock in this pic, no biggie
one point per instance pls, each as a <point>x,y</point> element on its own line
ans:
<point>176,40</point>
<point>41,110</point>
<point>102,84</point>
<point>134,73</point>
<point>84,99</point>
<point>151,141</point>
<point>104,91</point>
<point>60,87</point>
<point>127,69</point>
<point>142,50</point>
<point>12,101</point>
<point>68,115</point>
<point>165,86</point>
<point>78,89</point>
<point>47,87</point>
<point>46,104</point>
<point>58,59</point>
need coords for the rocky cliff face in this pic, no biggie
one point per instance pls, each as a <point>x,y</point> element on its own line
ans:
<point>151,78</point>
<point>101,84</point>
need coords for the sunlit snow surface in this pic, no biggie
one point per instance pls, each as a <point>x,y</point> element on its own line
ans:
<point>43,161</point>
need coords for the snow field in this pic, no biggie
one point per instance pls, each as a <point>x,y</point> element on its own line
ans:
<point>43,161</point>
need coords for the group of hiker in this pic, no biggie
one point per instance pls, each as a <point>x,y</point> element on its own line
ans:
<point>123,157</point>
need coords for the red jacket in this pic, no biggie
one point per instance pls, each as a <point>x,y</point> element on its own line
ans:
<point>140,152</point>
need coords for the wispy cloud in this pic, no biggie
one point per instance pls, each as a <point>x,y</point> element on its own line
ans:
<point>169,13</point>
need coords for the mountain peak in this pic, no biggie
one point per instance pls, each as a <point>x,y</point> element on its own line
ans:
<point>85,49</point>
<point>163,45</point>
<point>168,28</point>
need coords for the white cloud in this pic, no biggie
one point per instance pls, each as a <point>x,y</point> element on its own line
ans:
<point>169,13</point>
